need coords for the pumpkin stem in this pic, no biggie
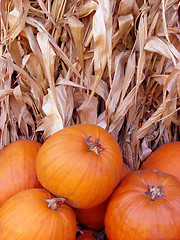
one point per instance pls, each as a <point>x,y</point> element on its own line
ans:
<point>53,202</point>
<point>154,192</point>
<point>94,146</point>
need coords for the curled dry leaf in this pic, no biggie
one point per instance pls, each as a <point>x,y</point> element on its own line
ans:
<point>125,23</point>
<point>87,8</point>
<point>53,120</point>
<point>5,92</point>
<point>155,44</point>
<point>17,18</point>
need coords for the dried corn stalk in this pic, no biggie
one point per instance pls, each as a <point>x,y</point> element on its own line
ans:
<point>111,63</point>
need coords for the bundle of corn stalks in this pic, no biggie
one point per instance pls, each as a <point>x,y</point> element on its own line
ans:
<point>113,63</point>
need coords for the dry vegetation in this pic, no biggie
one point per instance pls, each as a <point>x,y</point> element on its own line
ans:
<point>114,63</point>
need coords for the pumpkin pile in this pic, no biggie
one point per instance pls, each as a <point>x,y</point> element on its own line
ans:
<point>77,177</point>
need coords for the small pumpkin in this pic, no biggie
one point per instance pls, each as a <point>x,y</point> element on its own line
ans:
<point>87,234</point>
<point>36,214</point>
<point>18,168</point>
<point>165,158</point>
<point>82,163</point>
<point>92,218</point>
<point>145,205</point>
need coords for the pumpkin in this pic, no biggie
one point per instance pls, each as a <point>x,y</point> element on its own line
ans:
<point>92,218</point>
<point>82,163</point>
<point>18,168</point>
<point>36,214</point>
<point>165,158</point>
<point>145,205</point>
<point>86,235</point>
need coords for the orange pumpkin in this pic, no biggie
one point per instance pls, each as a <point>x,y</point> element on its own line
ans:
<point>146,205</point>
<point>35,214</point>
<point>165,158</point>
<point>82,163</point>
<point>18,168</point>
<point>92,218</point>
<point>86,235</point>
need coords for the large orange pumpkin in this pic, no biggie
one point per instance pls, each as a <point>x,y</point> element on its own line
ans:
<point>34,214</point>
<point>82,163</point>
<point>146,205</point>
<point>18,168</point>
<point>165,158</point>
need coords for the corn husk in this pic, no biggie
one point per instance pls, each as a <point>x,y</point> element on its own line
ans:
<point>115,64</point>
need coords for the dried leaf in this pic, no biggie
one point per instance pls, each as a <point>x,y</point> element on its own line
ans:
<point>141,35</point>
<point>31,62</point>
<point>154,118</point>
<point>164,5</point>
<point>18,19</point>
<point>88,112</point>
<point>102,88</point>
<point>20,115</point>
<point>53,121</point>
<point>57,49</point>
<point>178,84</point>
<point>129,74</point>
<point>28,33</point>
<point>16,52</point>
<point>77,29</point>
<point>87,8</point>
<point>157,45</point>
<point>100,47</point>
<point>125,22</point>
<point>117,85</point>
<point>144,150</point>
<point>126,6</point>
<point>122,109</point>
<point>5,92</point>
<point>58,8</point>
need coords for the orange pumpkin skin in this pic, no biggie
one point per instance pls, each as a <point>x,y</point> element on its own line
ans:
<point>18,168</point>
<point>131,214</point>
<point>26,216</point>
<point>92,218</point>
<point>67,168</point>
<point>87,235</point>
<point>165,158</point>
